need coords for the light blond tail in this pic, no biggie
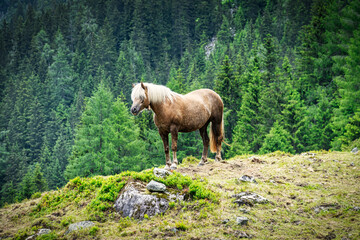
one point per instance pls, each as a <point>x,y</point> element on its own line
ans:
<point>214,139</point>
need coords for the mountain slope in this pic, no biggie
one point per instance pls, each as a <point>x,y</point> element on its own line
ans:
<point>312,195</point>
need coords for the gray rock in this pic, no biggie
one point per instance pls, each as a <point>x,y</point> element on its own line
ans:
<point>43,231</point>
<point>174,230</point>
<point>154,186</point>
<point>79,226</point>
<point>249,198</point>
<point>160,172</point>
<point>242,220</point>
<point>247,178</point>
<point>134,203</point>
<point>356,208</point>
<point>40,232</point>
<point>244,210</point>
<point>355,150</point>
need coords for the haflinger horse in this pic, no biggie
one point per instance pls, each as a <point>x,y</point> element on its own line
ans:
<point>175,113</point>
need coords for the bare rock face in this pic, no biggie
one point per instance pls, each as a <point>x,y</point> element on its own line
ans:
<point>135,202</point>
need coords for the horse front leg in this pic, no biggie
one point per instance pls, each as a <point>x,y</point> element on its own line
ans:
<point>165,138</point>
<point>205,138</point>
<point>174,138</point>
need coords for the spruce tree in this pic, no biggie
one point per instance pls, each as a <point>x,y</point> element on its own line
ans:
<point>278,139</point>
<point>248,133</point>
<point>106,141</point>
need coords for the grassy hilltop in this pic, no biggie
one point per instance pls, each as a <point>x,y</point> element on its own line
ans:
<point>311,196</point>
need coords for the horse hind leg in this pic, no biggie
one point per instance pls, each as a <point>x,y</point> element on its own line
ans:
<point>206,140</point>
<point>216,138</point>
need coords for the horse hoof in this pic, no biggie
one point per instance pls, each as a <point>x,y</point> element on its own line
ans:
<point>167,168</point>
<point>173,167</point>
<point>201,164</point>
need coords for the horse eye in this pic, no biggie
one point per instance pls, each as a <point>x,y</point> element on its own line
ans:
<point>142,101</point>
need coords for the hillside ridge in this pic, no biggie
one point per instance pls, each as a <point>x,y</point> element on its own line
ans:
<point>311,195</point>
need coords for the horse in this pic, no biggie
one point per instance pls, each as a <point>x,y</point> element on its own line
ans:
<point>175,113</point>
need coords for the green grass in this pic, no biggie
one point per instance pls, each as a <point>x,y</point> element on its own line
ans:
<point>295,185</point>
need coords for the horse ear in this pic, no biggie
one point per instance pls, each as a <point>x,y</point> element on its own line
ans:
<point>133,85</point>
<point>143,86</point>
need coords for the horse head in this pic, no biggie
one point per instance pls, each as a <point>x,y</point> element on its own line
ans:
<point>140,101</point>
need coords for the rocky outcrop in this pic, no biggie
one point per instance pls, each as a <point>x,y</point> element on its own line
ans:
<point>134,201</point>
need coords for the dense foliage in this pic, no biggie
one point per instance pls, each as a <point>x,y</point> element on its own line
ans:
<point>287,70</point>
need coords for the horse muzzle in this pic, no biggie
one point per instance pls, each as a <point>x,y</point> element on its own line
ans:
<point>134,110</point>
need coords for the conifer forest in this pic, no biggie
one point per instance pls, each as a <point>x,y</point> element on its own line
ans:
<point>288,72</point>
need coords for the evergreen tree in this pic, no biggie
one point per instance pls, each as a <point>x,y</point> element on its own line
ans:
<point>278,139</point>
<point>229,89</point>
<point>32,182</point>
<point>247,135</point>
<point>61,74</point>
<point>106,141</point>
<point>294,118</point>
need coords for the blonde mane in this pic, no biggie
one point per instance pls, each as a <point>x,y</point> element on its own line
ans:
<point>156,93</point>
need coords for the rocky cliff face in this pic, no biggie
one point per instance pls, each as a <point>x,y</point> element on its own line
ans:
<point>275,196</point>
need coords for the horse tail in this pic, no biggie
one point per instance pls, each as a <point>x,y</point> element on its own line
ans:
<point>216,135</point>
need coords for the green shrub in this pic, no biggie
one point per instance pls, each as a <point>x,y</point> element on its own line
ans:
<point>94,230</point>
<point>36,195</point>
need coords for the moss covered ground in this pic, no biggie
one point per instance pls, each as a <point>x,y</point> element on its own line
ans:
<point>313,195</point>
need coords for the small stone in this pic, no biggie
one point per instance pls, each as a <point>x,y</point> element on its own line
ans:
<point>174,230</point>
<point>242,220</point>
<point>352,164</point>
<point>154,186</point>
<point>249,198</point>
<point>159,172</point>
<point>356,208</point>
<point>78,226</point>
<point>225,221</point>
<point>244,210</point>
<point>355,150</point>
<point>247,178</point>
<point>43,231</point>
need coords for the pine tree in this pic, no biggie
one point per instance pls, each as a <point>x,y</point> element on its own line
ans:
<point>32,182</point>
<point>248,133</point>
<point>278,139</point>
<point>294,118</point>
<point>61,74</point>
<point>229,89</point>
<point>106,141</point>
<point>176,81</point>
